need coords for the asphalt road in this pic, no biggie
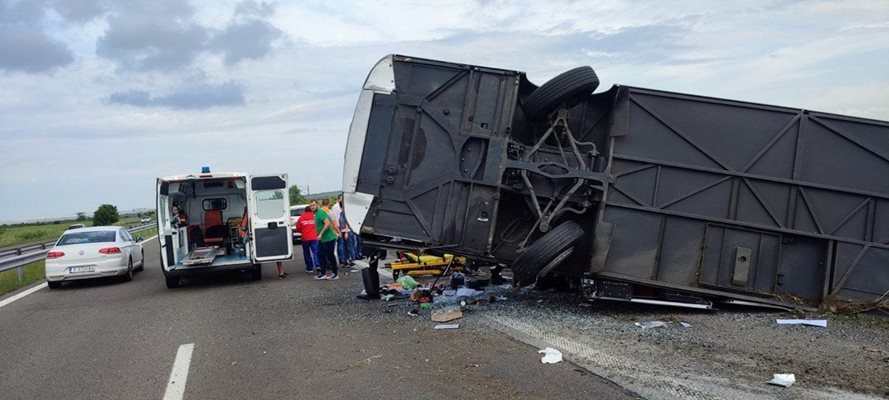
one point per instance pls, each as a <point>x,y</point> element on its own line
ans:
<point>271,339</point>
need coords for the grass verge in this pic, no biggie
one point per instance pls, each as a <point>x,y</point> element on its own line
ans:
<point>14,235</point>
<point>9,280</point>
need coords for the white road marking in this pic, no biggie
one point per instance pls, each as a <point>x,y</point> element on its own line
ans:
<point>179,374</point>
<point>145,240</point>
<point>22,294</point>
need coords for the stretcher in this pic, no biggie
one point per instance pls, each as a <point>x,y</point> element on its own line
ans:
<point>425,264</point>
<point>202,255</point>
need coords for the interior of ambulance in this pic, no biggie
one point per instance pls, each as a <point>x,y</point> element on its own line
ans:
<point>205,221</point>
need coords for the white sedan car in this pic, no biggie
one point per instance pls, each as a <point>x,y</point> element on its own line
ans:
<point>93,252</point>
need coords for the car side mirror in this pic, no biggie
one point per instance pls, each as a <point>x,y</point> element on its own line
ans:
<point>139,239</point>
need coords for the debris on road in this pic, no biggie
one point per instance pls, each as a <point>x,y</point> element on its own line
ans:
<point>447,315</point>
<point>810,322</point>
<point>413,313</point>
<point>407,282</point>
<point>784,380</point>
<point>446,326</point>
<point>550,355</point>
<point>651,324</point>
<point>685,324</point>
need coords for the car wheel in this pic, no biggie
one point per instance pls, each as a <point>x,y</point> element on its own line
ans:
<point>54,285</point>
<point>256,274</point>
<point>546,253</point>
<point>129,275</point>
<point>172,283</point>
<point>568,89</point>
<point>142,263</point>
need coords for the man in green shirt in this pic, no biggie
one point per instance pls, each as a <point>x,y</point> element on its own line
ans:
<point>327,234</point>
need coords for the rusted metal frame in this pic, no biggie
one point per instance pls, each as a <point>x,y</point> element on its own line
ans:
<point>678,132</point>
<point>811,211</point>
<point>694,192</point>
<point>770,144</point>
<point>762,202</point>
<point>850,215</point>
<point>845,276</point>
<point>883,196</point>
<point>766,228</point>
<point>850,138</point>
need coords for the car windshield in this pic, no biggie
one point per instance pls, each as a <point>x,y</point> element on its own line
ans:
<point>296,213</point>
<point>86,237</point>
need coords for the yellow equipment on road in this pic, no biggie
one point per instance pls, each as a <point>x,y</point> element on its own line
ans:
<point>418,265</point>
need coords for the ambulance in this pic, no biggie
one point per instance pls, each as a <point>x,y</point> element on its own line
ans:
<point>215,222</point>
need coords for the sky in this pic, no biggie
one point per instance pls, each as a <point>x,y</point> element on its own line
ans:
<point>98,98</point>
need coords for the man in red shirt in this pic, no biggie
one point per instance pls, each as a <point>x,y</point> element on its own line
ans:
<point>305,225</point>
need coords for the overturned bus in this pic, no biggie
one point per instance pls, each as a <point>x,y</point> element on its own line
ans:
<point>638,194</point>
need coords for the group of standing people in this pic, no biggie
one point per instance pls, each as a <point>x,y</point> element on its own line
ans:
<point>327,239</point>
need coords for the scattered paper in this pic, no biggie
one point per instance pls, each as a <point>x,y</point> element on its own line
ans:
<point>550,355</point>
<point>685,324</point>
<point>784,380</point>
<point>810,322</point>
<point>446,326</point>
<point>651,324</point>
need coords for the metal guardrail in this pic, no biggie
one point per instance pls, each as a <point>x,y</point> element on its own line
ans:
<point>17,251</point>
<point>37,251</point>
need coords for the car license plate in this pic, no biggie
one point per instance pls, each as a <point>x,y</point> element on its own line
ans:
<point>80,270</point>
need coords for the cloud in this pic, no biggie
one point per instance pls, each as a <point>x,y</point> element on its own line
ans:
<point>168,36</point>
<point>31,51</point>
<point>79,11</point>
<point>194,96</point>
<point>246,40</point>
<point>24,45</point>
<point>160,37</point>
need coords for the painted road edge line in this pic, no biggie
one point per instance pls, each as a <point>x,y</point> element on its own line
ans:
<point>179,374</point>
<point>22,294</point>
